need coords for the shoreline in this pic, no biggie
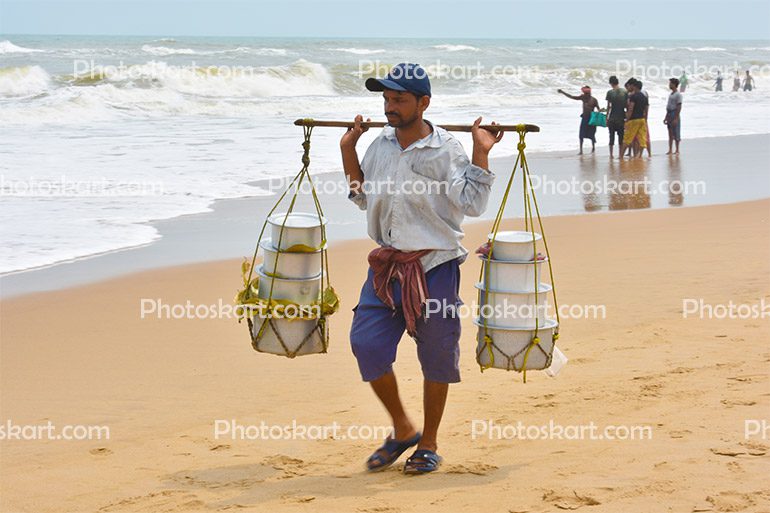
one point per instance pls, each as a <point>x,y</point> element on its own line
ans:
<point>232,231</point>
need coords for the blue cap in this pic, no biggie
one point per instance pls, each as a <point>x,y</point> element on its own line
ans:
<point>407,77</point>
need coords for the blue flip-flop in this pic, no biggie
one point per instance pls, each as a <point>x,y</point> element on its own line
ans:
<point>422,462</point>
<point>393,449</point>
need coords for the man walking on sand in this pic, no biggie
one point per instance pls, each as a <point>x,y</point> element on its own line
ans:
<point>616,109</point>
<point>419,253</point>
<point>672,119</point>
<point>587,130</point>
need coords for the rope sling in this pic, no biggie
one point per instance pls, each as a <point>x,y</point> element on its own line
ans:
<point>248,299</point>
<point>529,201</point>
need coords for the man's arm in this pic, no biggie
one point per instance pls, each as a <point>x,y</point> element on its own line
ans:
<point>569,95</point>
<point>629,110</point>
<point>483,140</point>
<point>350,163</point>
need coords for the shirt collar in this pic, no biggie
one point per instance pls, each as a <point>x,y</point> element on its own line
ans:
<point>433,140</point>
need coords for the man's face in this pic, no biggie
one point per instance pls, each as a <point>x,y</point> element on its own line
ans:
<point>402,108</point>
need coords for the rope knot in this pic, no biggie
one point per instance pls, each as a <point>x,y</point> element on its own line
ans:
<point>521,146</point>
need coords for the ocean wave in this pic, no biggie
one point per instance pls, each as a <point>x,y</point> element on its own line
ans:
<point>164,51</point>
<point>8,47</point>
<point>156,89</point>
<point>23,81</point>
<point>456,48</point>
<point>359,51</point>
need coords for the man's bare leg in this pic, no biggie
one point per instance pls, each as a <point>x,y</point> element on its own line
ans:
<point>434,400</point>
<point>581,147</point>
<point>386,388</point>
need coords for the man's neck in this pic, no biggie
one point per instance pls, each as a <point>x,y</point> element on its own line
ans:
<point>406,136</point>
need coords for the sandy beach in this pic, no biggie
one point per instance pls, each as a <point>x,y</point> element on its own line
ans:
<point>83,356</point>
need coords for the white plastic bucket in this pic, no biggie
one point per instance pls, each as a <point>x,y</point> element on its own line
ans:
<point>513,342</point>
<point>300,228</point>
<point>514,309</point>
<point>302,291</point>
<point>515,246</point>
<point>294,265</point>
<point>508,276</point>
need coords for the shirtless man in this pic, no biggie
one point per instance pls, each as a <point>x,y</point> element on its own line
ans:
<point>587,131</point>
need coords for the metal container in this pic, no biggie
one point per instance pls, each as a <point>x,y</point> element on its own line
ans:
<point>302,291</point>
<point>292,332</point>
<point>510,345</point>
<point>290,264</point>
<point>301,228</point>
<point>514,309</point>
<point>505,276</point>
<point>515,246</point>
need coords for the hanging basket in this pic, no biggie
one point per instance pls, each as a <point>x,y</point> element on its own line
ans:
<point>287,300</point>
<point>510,277</point>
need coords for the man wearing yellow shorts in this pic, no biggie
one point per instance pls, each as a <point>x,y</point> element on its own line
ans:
<point>636,124</point>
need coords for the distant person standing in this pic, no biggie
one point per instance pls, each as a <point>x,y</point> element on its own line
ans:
<point>718,82</point>
<point>673,111</point>
<point>636,128</point>
<point>736,81</point>
<point>683,82</point>
<point>748,82</point>
<point>617,97</point>
<point>648,147</point>
<point>587,131</point>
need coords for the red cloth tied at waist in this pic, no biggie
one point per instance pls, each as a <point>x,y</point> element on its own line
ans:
<point>405,266</point>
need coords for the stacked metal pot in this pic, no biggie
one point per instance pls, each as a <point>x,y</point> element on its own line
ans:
<point>291,273</point>
<point>512,303</point>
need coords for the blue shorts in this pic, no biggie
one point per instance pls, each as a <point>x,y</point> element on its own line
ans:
<point>377,330</point>
<point>674,131</point>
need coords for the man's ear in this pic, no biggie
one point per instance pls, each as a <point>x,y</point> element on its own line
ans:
<point>423,103</point>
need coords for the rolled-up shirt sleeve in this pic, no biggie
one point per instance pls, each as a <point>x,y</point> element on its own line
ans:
<point>469,184</point>
<point>359,198</point>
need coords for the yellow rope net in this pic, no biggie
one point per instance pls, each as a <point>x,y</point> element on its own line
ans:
<point>248,299</point>
<point>529,225</point>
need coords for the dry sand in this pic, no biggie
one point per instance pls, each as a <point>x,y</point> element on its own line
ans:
<point>84,356</point>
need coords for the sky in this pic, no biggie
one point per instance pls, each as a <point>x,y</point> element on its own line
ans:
<point>546,19</point>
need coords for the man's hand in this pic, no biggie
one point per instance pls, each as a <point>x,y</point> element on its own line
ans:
<point>483,140</point>
<point>350,138</point>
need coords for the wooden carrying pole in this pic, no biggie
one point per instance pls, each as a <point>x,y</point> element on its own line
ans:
<point>380,124</point>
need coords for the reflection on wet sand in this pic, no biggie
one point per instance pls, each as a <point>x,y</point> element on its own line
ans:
<point>627,184</point>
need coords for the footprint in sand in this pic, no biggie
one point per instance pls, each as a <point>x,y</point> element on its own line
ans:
<point>747,449</point>
<point>737,402</point>
<point>238,477</point>
<point>731,501</point>
<point>297,499</point>
<point>289,467</point>
<point>475,468</point>
<point>100,451</point>
<point>569,501</point>
<point>166,500</point>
